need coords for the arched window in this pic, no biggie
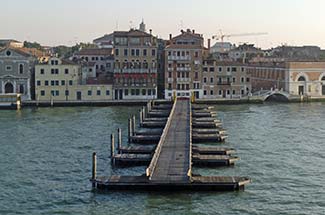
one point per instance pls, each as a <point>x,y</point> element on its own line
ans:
<point>301,78</point>
<point>21,69</point>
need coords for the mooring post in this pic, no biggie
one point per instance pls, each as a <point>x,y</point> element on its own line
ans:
<point>119,132</point>
<point>129,130</point>
<point>140,117</point>
<point>112,149</point>
<point>144,115</point>
<point>94,169</point>
<point>133,125</point>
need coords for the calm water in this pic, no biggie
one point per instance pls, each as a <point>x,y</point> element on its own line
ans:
<point>45,163</point>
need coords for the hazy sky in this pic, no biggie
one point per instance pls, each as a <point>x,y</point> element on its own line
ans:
<point>53,22</point>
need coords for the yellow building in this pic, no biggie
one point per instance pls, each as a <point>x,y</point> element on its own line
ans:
<point>60,80</point>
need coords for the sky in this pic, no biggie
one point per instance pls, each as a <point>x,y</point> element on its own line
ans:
<point>291,22</point>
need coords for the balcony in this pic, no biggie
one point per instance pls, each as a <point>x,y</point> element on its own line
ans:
<point>224,83</point>
<point>179,58</point>
<point>183,68</point>
<point>170,80</point>
<point>183,80</point>
<point>135,70</point>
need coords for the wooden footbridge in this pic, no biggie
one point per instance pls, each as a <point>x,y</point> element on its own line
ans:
<point>166,145</point>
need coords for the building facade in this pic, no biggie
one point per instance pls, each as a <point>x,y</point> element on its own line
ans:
<point>225,80</point>
<point>16,72</point>
<point>183,65</point>
<point>61,80</point>
<point>306,78</point>
<point>102,58</point>
<point>135,65</point>
<point>267,76</point>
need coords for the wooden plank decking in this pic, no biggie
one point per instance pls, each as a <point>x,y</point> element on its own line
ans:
<point>173,163</point>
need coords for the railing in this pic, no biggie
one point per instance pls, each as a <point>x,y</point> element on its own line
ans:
<point>179,57</point>
<point>154,159</point>
<point>183,79</point>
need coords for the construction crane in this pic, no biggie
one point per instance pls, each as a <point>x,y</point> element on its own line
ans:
<point>222,36</point>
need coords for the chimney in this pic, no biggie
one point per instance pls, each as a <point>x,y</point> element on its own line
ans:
<point>150,31</point>
<point>209,44</point>
<point>170,36</point>
<point>193,31</point>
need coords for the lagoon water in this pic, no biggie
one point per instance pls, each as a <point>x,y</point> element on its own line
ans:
<point>45,163</point>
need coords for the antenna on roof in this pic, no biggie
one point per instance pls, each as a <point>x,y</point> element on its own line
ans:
<point>116,26</point>
<point>181,24</point>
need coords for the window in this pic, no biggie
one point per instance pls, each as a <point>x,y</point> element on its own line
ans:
<point>205,80</point>
<point>42,93</point>
<point>196,54</point>
<point>132,92</point>
<point>21,69</point>
<point>38,83</point>
<point>57,83</point>
<point>8,68</point>
<point>116,52</point>
<point>247,79</point>
<point>137,52</point>
<point>137,92</point>
<point>301,78</point>
<point>211,80</point>
<point>143,92</point>
<point>228,69</point>
<point>66,71</point>
<point>52,83</point>
<point>42,72</point>
<point>149,92</point>
<point>211,92</point>
<point>98,92</point>
<point>8,53</point>
<point>107,92</point>
<point>46,83</point>
<point>205,92</point>
<point>132,52</point>
<point>126,92</point>
<point>66,92</point>
<point>228,92</point>
<point>211,69</point>
<point>234,80</point>
<point>144,52</point>
<point>125,52</point>
<point>220,92</point>
<point>205,69</point>
<point>242,80</point>
<point>154,92</point>
<point>63,82</point>
<point>242,92</point>
<point>89,92</point>
<point>234,69</point>
<point>234,92</point>
<point>153,52</point>
<point>243,69</point>
<point>70,82</point>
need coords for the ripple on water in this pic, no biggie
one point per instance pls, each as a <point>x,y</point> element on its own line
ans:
<point>46,163</point>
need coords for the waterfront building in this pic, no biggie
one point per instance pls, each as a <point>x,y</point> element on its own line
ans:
<point>105,41</point>
<point>183,65</point>
<point>293,77</point>
<point>61,80</point>
<point>225,79</point>
<point>16,68</point>
<point>102,58</point>
<point>135,66</point>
